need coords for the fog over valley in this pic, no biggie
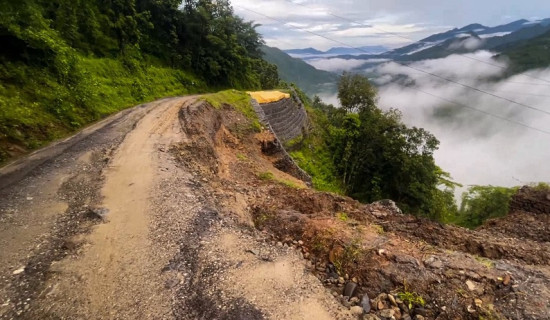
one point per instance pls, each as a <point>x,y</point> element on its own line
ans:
<point>476,148</point>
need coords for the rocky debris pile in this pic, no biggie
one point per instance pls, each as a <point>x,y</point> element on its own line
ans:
<point>531,200</point>
<point>530,209</point>
<point>384,208</point>
<point>382,264</point>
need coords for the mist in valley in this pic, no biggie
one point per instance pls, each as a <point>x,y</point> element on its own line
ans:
<point>476,148</point>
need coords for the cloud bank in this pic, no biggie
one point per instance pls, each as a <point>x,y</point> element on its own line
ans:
<point>475,148</point>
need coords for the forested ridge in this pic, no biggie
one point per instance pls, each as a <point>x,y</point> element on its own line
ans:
<point>66,63</point>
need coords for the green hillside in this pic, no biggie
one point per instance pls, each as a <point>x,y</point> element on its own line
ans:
<point>67,63</point>
<point>529,54</point>
<point>294,70</point>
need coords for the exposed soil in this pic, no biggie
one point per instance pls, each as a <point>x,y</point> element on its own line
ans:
<point>166,211</point>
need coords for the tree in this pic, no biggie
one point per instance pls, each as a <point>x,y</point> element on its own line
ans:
<point>356,93</point>
<point>378,157</point>
<point>484,202</point>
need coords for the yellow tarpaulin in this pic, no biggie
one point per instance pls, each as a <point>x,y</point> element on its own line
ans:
<point>268,96</point>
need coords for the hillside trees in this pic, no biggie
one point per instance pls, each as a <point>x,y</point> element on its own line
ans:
<point>375,156</point>
<point>65,63</point>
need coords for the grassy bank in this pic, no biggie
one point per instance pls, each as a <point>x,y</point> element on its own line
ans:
<point>37,107</point>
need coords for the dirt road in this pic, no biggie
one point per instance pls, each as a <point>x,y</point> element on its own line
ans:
<point>108,225</point>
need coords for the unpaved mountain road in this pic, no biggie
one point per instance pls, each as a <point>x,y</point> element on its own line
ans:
<point>107,225</point>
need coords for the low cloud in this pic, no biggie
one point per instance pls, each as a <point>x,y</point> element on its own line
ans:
<point>335,64</point>
<point>475,148</point>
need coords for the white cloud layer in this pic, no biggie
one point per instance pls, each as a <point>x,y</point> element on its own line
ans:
<point>476,148</point>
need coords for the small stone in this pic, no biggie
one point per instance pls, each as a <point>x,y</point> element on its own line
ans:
<point>354,301</point>
<point>341,280</point>
<point>471,309</point>
<point>365,303</point>
<point>29,198</point>
<point>381,252</point>
<point>419,317</point>
<point>356,310</point>
<point>300,242</point>
<point>279,244</point>
<point>345,302</point>
<point>387,313</point>
<point>507,279</point>
<point>19,271</point>
<point>354,279</point>
<point>397,313</point>
<point>392,300</point>
<point>346,277</point>
<point>350,288</point>
<point>478,303</point>
<point>471,285</point>
<point>381,305</point>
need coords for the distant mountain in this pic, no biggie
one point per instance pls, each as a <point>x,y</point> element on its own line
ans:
<point>355,51</point>
<point>467,39</point>
<point>311,51</point>
<point>314,53</point>
<point>295,70</point>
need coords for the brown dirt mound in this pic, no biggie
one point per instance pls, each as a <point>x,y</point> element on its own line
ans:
<point>460,274</point>
<point>529,218</point>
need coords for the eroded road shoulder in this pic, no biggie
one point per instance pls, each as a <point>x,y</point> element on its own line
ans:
<point>117,226</point>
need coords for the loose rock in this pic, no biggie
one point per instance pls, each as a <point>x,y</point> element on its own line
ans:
<point>357,310</point>
<point>349,290</point>
<point>365,303</point>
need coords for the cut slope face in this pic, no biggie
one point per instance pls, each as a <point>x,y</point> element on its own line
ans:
<point>451,272</point>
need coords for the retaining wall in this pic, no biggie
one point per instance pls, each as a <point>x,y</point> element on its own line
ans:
<point>287,118</point>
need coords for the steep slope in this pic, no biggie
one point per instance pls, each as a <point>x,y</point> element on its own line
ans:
<point>528,54</point>
<point>296,71</point>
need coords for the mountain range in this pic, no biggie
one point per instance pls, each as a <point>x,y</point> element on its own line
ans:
<point>314,53</point>
<point>458,40</point>
<point>525,43</point>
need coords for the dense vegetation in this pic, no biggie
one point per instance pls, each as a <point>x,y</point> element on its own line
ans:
<point>65,63</point>
<point>530,54</point>
<point>305,76</point>
<point>370,154</point>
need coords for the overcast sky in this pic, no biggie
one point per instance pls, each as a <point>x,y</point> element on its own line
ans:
<point>413,19</point>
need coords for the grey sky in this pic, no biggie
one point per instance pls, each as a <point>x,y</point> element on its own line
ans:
<point>412,19</point>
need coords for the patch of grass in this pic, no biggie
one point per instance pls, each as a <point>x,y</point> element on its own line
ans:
<point>348,256</point>
<point>242,157</point>
<point>378,228</point>
<point>342,216</point>
<point>240,100</point>
<point>261,220</point>
<point>266,176</point>
<point>411,299</point>
<point>486,262</point>
<point>289,184</point>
